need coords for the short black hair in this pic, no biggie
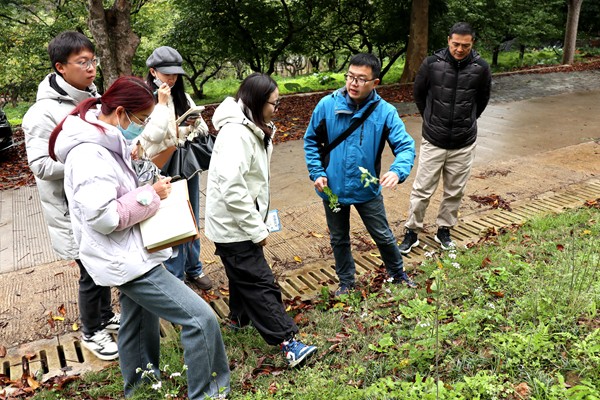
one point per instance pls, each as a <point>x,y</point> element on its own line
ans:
<point>462,28</point>
<point>367,60</point>
<point>255,91</point>
<point>67,43</point>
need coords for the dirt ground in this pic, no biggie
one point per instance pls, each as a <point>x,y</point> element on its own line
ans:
<point>539,135</point>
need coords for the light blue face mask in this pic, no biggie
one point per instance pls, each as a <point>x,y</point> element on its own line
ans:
<point>133,130</point>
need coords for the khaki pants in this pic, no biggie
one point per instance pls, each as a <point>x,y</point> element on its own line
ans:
<point>455,167</point>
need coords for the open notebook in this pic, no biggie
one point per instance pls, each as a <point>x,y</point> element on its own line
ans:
<point>174,222</point>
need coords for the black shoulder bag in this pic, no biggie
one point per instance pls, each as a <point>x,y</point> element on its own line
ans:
<point>324,150</point>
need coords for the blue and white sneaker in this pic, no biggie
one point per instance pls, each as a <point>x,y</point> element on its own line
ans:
<point>296,352</point>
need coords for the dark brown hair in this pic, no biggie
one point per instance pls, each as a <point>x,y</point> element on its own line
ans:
<point>255,91</point>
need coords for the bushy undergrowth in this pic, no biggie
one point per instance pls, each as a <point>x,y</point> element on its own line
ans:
<point>514,316</point>
<point>216,90</point>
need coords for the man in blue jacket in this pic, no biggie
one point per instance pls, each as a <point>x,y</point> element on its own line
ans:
<point>338,172</point>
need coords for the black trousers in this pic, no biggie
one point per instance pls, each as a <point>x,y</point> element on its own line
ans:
<point>253,294</point>
<point>94,302</point>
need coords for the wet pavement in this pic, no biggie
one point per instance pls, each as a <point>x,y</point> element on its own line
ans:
<point>540,136</point>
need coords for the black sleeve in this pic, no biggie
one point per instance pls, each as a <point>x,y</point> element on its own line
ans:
<point>421,86</point>
<point>483,94</point>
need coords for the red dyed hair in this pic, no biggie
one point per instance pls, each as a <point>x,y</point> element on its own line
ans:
<point>129,92</point>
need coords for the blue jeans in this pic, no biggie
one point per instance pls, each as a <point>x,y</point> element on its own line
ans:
<point>187,261</point>
<point>158,294</point>
<point>373,216</point>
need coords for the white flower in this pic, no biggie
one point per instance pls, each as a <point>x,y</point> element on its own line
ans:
<point>492,306</point>
<point>398,318</point>
<point>456,265</point>
<point>389,280</point>
<point>452,255</point>
<point>175,374</point>
<point>157,385</point>
<point>424,324</point>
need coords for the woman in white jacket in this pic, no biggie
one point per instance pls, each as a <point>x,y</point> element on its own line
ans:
<point>237,204</point>
<point>106,206</point>
<point>161,132</point>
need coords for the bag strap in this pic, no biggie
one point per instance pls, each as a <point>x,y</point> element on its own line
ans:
<point>357,122</point>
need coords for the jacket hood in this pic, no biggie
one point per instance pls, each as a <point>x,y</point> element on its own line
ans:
<point>76,131</point>
<point>230,112</point>
<point>54,87</point>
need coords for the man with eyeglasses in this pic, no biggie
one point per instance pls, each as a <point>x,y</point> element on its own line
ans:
<point>375,121</point>
<point>451,90</point>
<point>74,62</point>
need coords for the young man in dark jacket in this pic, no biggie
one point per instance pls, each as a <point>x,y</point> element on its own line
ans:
<point>340,171</point>
<point>451,90</point>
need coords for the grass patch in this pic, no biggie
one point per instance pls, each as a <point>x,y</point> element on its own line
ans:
<point>515,316</point>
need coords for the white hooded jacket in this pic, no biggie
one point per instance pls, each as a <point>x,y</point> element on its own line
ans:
<point>98,178</point>
<point>55,99</point>
<point>237,193</point>
<point>162,132</point>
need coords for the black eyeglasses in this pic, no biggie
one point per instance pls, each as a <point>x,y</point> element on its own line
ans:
<point>360,81</point>
<point>275,104</point>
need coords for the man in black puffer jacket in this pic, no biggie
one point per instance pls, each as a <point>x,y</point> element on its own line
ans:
<point>451,90</point>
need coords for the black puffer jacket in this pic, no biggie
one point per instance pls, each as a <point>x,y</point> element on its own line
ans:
<point>451,95</point>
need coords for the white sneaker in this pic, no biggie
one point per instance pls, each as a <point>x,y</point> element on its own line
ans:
<point>113,324</point>
<point>101,344</point>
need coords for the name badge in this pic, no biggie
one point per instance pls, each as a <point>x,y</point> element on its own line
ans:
<point>273,222</point>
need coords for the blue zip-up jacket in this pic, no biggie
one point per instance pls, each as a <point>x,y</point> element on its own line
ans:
<point>362,148</point>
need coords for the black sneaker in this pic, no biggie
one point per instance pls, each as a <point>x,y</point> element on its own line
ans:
<point>403,279</point>
<point>443,238</point>
<point>112,325</point>
<point>410,240</point>
<point>202,281</point>
<point>101,344</point>
<point>343,289</point>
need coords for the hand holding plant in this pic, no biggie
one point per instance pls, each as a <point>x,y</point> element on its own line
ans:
<point>366,178</point>
<point>333,199</point>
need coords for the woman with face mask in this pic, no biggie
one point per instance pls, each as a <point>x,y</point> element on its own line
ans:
<point>106,206</point>
<point>165,79</point>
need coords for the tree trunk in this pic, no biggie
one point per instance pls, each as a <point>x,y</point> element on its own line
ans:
<point>521,54</point>
<point>574,7</point>
<point>495,54</point>
<point>417,40</point>
<point>116,42</point>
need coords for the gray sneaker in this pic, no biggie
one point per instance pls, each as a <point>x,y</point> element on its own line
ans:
<point>410,240</point>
